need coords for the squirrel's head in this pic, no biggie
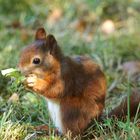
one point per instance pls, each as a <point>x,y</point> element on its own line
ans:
<point>43,54</point>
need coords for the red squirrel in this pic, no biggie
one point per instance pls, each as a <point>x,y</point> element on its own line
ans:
<point>75,88</point>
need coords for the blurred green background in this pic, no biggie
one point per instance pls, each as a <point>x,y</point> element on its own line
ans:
<point>106,30</point>
<point>77,25</point>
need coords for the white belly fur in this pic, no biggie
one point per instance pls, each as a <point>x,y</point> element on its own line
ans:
<point>54,110</point>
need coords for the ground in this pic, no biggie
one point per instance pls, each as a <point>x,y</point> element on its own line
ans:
<point>107,31</point>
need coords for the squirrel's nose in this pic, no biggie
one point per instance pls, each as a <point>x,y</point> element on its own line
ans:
<point>23,70</point>
<point>20,68</point>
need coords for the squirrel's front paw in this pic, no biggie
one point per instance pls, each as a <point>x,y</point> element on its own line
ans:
<point>35,83</point>
<point>31,80</point>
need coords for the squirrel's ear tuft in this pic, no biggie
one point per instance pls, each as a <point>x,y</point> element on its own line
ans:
<point>51,43</point>
<point>40,34</point>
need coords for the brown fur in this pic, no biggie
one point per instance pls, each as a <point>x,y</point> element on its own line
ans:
<point>83,97</point>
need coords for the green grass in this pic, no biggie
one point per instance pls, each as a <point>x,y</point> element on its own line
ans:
<point>18,117</point>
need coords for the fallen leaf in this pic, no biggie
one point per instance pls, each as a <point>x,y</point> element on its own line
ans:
<point>24,35</point>
<point>80,25</point>
<point>131,67</point>
<point>14,98</point>
<point>54,16</point>
<point>14,24</point>
<point>108,27</point>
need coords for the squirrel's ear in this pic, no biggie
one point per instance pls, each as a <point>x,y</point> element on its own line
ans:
<point>51,43</point>
<point>40,34</point>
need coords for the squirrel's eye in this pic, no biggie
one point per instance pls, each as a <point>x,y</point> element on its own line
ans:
<point>36,61</point>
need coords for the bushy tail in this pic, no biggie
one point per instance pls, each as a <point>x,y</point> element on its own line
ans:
<point>121,111</point>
